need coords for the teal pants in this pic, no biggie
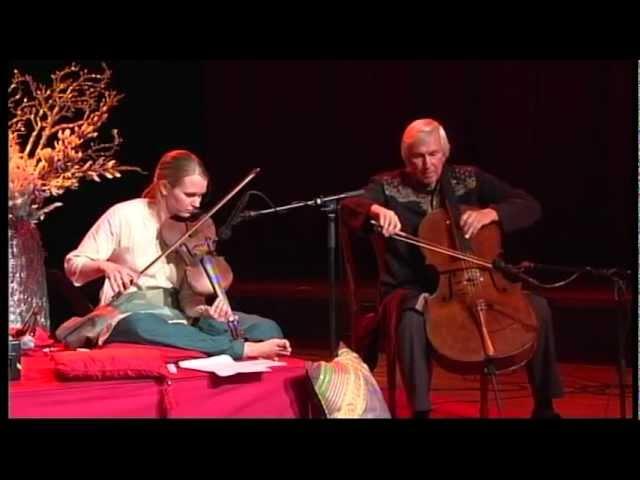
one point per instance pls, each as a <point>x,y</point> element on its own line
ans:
<point>208,335</point>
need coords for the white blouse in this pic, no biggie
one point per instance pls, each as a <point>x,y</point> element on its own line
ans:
<point>131,227</point>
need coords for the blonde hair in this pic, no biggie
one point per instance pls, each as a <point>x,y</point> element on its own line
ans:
<point>173,167</point>
<point>423,127</point>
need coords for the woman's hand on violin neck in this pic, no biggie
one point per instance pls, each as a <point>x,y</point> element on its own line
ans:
<point>268,349</point>
<point>119,277</point>
<point>220,310</point>
<point>473,220</point>
<point>387,219</point>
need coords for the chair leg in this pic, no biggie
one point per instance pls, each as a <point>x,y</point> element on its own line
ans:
<point>484,396</point>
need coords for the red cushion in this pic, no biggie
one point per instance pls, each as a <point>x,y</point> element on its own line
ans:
<point>111,363</point>
<point>120,360</point>
<point>169,354</point>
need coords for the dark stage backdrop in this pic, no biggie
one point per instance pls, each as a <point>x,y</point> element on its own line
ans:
<point>563,130</point>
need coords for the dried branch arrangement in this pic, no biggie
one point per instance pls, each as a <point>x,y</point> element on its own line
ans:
<point>53,137</point>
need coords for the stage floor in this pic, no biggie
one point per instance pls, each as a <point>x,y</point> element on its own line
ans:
<point>591,391</point>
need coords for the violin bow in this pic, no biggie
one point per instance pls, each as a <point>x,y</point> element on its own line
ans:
<point>204,218</point>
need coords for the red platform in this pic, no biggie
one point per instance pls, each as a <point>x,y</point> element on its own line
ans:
<point>285,392</point>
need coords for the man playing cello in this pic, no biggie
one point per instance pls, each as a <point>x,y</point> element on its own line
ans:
<point>398,201</point>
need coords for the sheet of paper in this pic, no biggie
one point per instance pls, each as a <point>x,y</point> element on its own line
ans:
<point>224,365</point>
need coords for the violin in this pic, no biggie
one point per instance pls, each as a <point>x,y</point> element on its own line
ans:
<point>206,272</point>
<point>199,244</point>
<point>204,268</point>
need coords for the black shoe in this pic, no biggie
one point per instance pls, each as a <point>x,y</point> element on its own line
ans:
<point>546,414</point>
<point>422,414</point>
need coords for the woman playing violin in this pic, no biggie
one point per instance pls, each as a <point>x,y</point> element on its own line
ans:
<point>161,307</point>
<point>399,201</point>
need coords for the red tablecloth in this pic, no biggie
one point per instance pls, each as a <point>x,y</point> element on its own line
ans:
<point>285,392</point>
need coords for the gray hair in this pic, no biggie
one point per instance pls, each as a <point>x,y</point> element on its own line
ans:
<point>423,127</point>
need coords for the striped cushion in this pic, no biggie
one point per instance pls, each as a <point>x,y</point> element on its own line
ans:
<point>346,388</point>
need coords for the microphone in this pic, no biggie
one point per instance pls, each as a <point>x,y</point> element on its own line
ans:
<point>247,214</point>
<point>225,232</point>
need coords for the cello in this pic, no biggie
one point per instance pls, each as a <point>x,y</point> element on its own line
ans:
<point>476,318</point>
<point>477,321</point>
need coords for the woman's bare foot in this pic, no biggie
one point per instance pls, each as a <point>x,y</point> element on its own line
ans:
<point>268,349</point>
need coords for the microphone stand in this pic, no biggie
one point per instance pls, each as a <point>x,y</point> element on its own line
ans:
<point>330,206</point>
<point>619,278</point>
